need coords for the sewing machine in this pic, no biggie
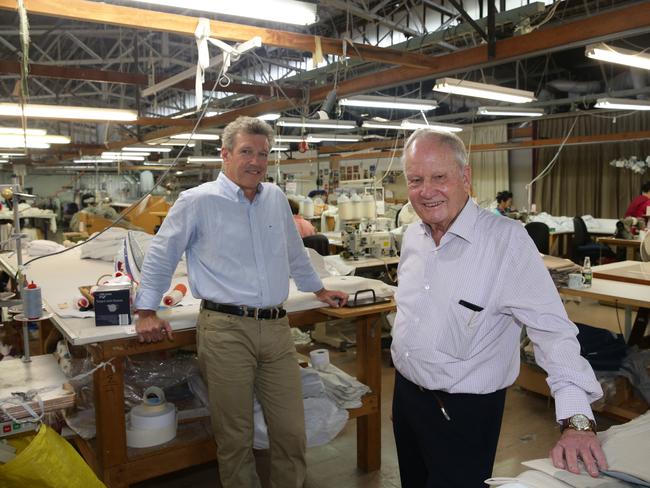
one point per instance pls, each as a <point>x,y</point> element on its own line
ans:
<point>361,242</point>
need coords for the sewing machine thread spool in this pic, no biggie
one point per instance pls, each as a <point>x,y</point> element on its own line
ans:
<point>32,301</point>
<point>81,302</point>
<point>175,296</point>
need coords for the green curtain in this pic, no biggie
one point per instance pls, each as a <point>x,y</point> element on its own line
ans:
<point>582,182</point>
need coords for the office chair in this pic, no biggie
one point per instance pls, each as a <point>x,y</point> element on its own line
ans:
<point>319,242</point>
<point>584,245</point>
<point>539,233</point>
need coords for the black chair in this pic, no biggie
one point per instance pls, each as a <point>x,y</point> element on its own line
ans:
<point>539,233</point>
<point>584,245</point>
<point>319,242</point>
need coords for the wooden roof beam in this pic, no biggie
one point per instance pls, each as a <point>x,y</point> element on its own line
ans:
<point>122,78</point>
<point>86,11</point>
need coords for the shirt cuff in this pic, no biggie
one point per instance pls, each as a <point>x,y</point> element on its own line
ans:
<point>147,300</point>
<point>571,400</point>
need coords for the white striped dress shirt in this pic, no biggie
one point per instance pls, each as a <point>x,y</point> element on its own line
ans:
<point>489,263</point>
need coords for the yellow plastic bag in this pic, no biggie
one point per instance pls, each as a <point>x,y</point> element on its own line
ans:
<point>46,460</point>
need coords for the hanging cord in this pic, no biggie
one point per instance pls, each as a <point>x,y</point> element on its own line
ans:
<point>550,165</point>
<point>24,66</point>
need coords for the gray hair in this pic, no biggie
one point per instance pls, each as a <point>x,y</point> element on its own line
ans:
<point>246,125</point>
<point>449,139</point>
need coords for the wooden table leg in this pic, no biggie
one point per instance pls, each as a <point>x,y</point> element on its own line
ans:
<point>369,372</point>
<point>109,417</point>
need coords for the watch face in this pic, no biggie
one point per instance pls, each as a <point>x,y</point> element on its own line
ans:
<point>580,422</point>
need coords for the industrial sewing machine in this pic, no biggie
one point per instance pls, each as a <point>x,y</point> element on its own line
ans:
<point>367,240</point>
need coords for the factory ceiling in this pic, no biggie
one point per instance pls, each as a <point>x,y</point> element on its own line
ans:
<point>124,54</point>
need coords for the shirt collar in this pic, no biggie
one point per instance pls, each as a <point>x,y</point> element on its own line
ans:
<point>464,224</point>
<point>232,191</point>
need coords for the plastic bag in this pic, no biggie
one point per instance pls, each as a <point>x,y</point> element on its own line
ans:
<point>46,460</point>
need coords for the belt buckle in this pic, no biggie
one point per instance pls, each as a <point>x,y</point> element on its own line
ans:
<point>274,313</point>
<point>256,313</point>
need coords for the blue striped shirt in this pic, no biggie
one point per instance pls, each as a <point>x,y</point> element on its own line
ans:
<point>238,252</point>
<point>490,263</point>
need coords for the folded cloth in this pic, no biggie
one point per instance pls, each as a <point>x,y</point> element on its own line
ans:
<point>345,390</point>
<point>106,245</point>
<point>42,247</point>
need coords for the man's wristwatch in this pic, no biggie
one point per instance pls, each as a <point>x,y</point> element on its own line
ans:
<point>578,422</point>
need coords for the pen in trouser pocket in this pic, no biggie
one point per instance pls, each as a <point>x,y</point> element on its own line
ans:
<point>442,406</point>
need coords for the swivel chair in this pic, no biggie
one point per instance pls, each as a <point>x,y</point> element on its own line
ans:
<point>319,242</point>
<point>584,245</point>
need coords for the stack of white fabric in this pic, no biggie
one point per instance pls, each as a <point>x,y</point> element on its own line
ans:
<point>106,245</point>
<point>626,448</point>
<point>41,247</point>
<point>345,390</point>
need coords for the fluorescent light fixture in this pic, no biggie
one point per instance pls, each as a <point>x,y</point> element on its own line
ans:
<point>15,142</point>
<point>94,161</point>
<point>158,163</point>
<point>388,102</point>
<point>17,131</point>
<point>197,136</point>
<point>2,161</point>
<point>12,155</point>
<point>283,11</point>
<point>67,112</point>
<point>315,138</point>
<point>371,124</point>
<point>603,52</point>
<point>315,123</point>
<point>410,125</point>
<point>177,143</point>
<point>511,111</point>
<point>483,90</point>
<point>622,104</point>
<point>280,148</point>
<point>122,156</point>
<point>196,159</point>
<point>20,140</point>
<point>179,172</point>
<point>283,139</point>
<point>209,113</point>
<point>270,116</point>
<point>148,148</point>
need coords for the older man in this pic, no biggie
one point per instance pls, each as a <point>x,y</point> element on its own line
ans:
<point>468,281</point>
<point>241,246</point>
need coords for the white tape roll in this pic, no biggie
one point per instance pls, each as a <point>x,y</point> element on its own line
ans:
<point>320,358</point>
<point>143,417</point>
<point>151,437</point>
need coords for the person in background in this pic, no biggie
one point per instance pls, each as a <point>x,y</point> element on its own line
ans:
<point>504,202</point>
<point>456,334</point>
<point>638,206</point>
<point>305,228</point>
<point>241,246</point>
<point>318,193</point>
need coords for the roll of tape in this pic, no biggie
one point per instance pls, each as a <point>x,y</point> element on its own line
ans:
<point>320,358</point>
<point>159,417</point>
<point>150,437</point>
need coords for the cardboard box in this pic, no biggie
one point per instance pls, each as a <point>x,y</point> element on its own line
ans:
<point>113,305</point>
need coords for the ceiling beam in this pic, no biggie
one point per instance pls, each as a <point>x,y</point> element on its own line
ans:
<point>87,11</point>
<point>613,23</point>
<point>122,78</point>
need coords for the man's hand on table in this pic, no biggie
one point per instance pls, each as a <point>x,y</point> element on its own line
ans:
<point>151,328</point>
<point>333,298</point>
<point>584,445</point>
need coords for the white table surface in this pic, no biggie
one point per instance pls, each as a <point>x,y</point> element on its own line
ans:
<point>60,276</point>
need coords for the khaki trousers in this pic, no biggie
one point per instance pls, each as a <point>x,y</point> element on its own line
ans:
<point>239,356</point>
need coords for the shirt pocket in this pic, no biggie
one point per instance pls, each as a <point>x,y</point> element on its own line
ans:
<point>464,326</point>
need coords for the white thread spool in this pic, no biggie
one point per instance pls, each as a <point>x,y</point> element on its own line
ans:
<point>320,358</point>
<point>81,302</point>
<point>175,296</point>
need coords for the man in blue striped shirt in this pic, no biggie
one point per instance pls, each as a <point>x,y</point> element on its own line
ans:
<point>468,281</point>
<point>241,246</point>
